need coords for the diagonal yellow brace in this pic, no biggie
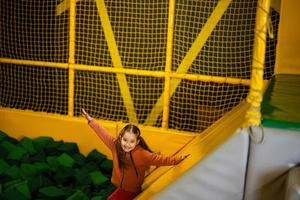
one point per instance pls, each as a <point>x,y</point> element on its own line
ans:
<point>116,59</point>
<point>62,7</point>
<point>190,56</point>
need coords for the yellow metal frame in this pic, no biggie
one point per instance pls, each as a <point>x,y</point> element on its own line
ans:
<point>254,98</point>
<point>70,128</point>
<point>172,79</point>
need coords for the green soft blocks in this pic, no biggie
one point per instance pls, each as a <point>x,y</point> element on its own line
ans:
<point>106,166</point>
<point>27,171</point>
<point>69,147</point>
<point>98,178</point>
<point>42,168</point>
<point>21,188</point>
<point>10,139</point>
<point>40,181</point>
<point>38,157</point>
<point>17,154</point>
<point>2,135</point>
<point>65,160</point>
<point>11,183</point>
<point>27,144</point>
<point>16,189</point>
<point>51,192</point>
<point>82,177</point>
<point>52,161</point>
<point>95,157</point>
<point>41,142</point>
<point>52,148</point>
<point>98,198</point>
<point>64,175</point>
<point>3,166</point>
<point>13,172</point>
<point>13,194</point>
<point>79,160</point>
<point>78,195</point>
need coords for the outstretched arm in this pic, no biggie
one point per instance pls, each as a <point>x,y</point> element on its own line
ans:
<point>161,160</point>
<point>103,134</point>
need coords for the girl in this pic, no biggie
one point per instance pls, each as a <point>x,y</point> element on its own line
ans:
<point>131,159</point>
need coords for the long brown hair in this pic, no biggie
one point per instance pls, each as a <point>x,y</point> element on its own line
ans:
<point>120,152</point>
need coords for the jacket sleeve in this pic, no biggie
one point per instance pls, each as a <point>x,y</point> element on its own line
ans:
<point>161,160</point>
<point>103,134</point>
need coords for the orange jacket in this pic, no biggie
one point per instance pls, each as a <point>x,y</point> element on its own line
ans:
<point>128,178</point>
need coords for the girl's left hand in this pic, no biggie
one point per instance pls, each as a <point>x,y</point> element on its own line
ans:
<point>184,156</point>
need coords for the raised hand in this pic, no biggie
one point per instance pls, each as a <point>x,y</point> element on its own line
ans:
<point>86,115</point>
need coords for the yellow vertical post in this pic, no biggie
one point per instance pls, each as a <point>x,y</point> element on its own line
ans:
<point>253,115</point>
<point>71,60</point>
<point>166,102</point>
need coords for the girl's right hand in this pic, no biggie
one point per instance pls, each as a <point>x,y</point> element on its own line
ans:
<point>86,115</point>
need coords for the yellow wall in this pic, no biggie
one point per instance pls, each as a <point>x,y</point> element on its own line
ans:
<point>288,46</point>
<point>18,124</point>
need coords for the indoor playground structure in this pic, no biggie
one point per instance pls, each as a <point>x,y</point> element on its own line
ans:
<point>216,79</point>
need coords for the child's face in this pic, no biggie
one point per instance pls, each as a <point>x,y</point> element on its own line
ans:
<point>128,141</point>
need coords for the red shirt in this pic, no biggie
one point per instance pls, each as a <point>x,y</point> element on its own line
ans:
<point>127,178</point>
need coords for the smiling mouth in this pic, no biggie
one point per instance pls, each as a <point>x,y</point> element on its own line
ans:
<point>126,148</point>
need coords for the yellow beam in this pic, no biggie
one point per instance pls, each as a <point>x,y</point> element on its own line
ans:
<point>34,63</point>
<point>160,74</point>
<point>190,56</point>
<point>116,59</point>
<point>71,61</point>
<point>215,79</point>
<point>166,102</point>
<point>138,72</point>
<point>254,98</point>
